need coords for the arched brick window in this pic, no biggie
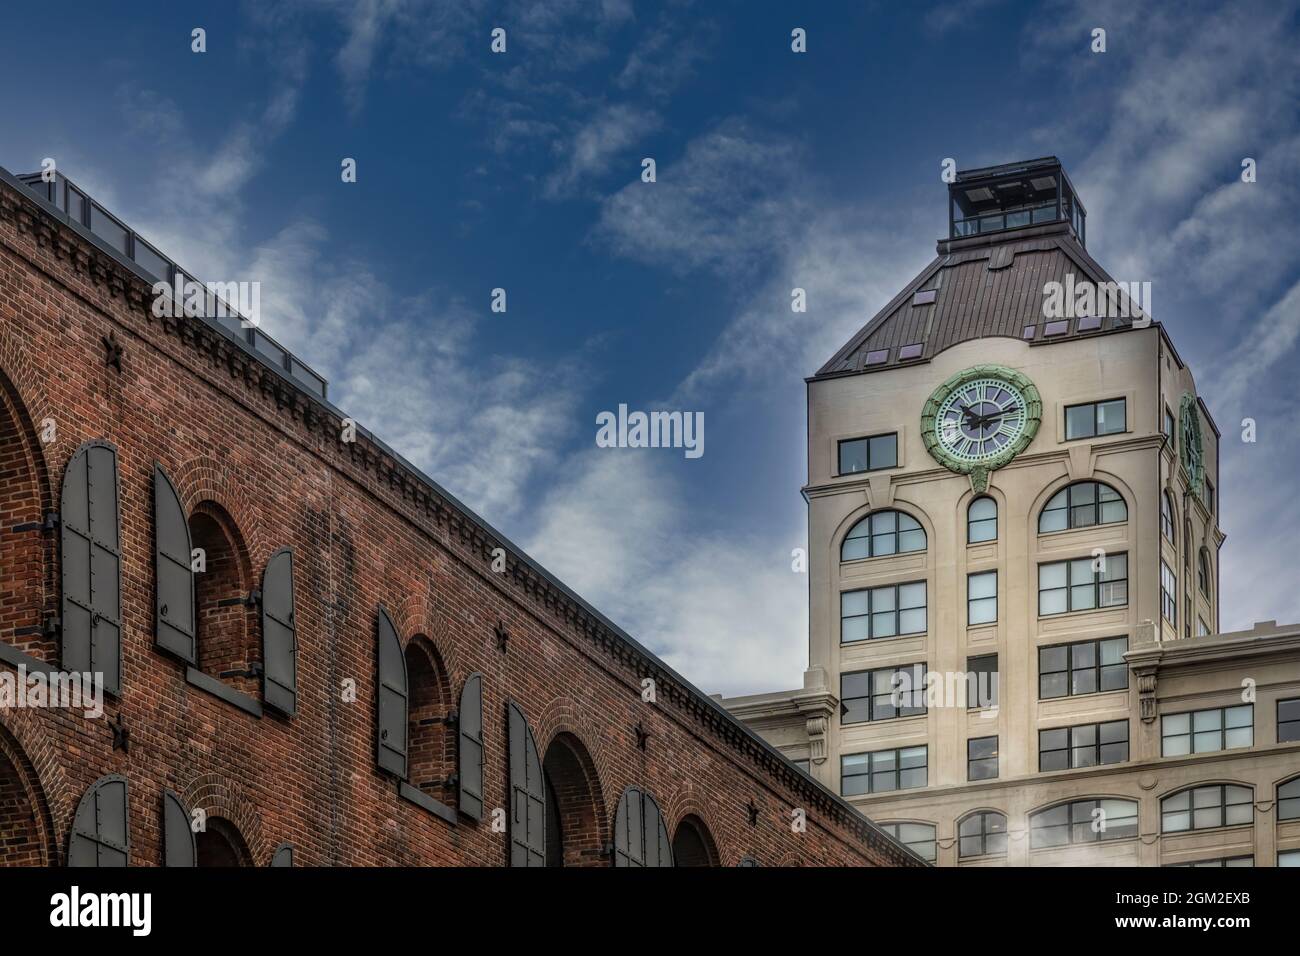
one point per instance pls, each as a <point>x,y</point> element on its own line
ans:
<point>226,623</point>
<point>23,544</point>
<point>693,844</point>
<point>430,739</point>
<point>22,840</point>
<point>220,843</point>
<point>573,805</point>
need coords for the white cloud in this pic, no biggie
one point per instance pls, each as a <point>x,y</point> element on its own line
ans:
<point>613,130</point>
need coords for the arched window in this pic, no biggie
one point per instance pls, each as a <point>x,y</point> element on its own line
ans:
<point>693,844</point>
<point>1206,808</point>
<point>882,533</point>
<point>1082,505</point>
<point>982,834</point>
<point>917,837</point>
<point>575,814</point>
<point>428,732</point>
<point>1288,800</point>
<point>982,520</point>
<point>1083,821</point>
<point>1203,576</point>
<point>225,620</point>
<point>1167,516</point>
<point>220,843</point>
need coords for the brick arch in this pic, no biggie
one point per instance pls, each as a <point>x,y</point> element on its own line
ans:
<point>218,796</point>
<point>686,800</point>
<point>34,793</point>
<point>24,383</point>
<point>412,615</point>
<point>204,479</point>
<point>563,724</point>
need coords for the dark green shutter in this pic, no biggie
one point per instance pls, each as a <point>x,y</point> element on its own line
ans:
<point>392,698</point>
<point>178,833</point>
<point>640,832</point>
<point>173,548</point>
<point>470,750</point>
<point>527,794</point>
<point>91,558</point>
<point>279,635</point>
<point>283,855</point>
<point>100,832</point>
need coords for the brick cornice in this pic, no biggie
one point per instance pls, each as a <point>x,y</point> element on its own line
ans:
<point>321,426</point>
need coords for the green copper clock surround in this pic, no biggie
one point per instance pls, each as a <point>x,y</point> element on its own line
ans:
<point>1192,443</point>
<point>958,440</point>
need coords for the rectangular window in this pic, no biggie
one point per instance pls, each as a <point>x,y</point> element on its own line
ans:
<point>1085,745</point>
<point>982,758</point>
<point>1205,731</point>
<point>108,228</point>
<point>1094,419</point>
<point>981,598</point>
<point>1082,584</point>
<point>982,681</point>
<point>881,771</point>
<point>1289,858</point>
<point>803,765</point>
<point>889,611</point>
<point>1085,667</point>
<point>882,694</point>
<point>1169,426</point>
<point>1168,594</point>
<point>1202,629</point>
<point>869,454</point>
<point>1209,496</point>
<point>1288,720</point>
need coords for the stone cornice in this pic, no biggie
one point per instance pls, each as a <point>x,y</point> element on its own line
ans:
<point>320,426</point>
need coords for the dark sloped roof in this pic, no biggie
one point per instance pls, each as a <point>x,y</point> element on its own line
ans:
<point>987,286</point>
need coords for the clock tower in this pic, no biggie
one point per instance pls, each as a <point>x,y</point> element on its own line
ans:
<point>1013,565</point>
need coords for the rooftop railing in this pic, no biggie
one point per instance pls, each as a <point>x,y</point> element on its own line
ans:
<point>79,207</point>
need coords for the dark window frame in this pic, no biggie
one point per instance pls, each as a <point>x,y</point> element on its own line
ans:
<point>872,536</point>
<point>1097,582</point>
<point>1096,409</point>
<point>870,773</point>
<point>984,818</point>
<point>894,829</point>
<point>971,522</point>
<point>897,611</point>
<point>866,440</point>
<point>1072,823</point>
<point>971,760</point>
<point>1222,729</point>
<point>1222,806</point>
<point>993,684</point>
<point>1097,668</point>
<point>1291,723</point>
<point>1072,747</point>
<point>969,600</point>
<point>1071,507</point>
<point>875,692</point>
<point>1288,793</point>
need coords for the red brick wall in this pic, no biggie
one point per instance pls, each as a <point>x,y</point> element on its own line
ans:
<point>365,532</point>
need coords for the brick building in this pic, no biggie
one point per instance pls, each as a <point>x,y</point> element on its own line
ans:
<point>307,645</point>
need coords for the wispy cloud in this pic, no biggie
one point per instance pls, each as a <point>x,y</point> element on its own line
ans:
<point>612,131</point>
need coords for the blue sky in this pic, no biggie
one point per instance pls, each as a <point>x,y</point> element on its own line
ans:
<point>775,170</point>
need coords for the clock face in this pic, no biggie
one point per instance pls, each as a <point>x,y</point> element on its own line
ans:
<point>981,419</point>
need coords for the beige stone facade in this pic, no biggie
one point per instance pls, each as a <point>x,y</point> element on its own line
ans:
<point>1174,661</point>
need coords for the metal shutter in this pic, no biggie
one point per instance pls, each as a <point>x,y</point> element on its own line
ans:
<point>392,699</point>
<point>91,558</point>
<point>283,855</point>
<point>527,794</point>
<point>100,833</point>
<point>470,749</point>
<point>279,635</point>
<point>640,832</point>
<point>178,834</point>
<point>173,549</point>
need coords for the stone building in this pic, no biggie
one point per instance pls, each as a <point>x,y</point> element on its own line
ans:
<point>1014,650</point>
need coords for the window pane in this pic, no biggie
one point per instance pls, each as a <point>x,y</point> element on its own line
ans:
<point>853,456</point>
<point>1110,417</point>
<point>884,452</point>
<point>1079,421</point>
